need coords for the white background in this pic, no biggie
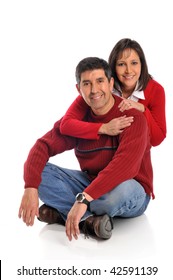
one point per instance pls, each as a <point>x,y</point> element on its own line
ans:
<point>41,43</point>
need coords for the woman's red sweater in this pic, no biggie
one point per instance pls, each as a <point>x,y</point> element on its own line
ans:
<point>154,103</point>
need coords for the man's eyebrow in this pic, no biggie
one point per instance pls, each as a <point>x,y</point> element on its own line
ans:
<point>101,78</point>
<point>86,81</point>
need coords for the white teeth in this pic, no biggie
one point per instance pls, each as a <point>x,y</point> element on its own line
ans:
<point>96,97</point>
<point>128,77</point>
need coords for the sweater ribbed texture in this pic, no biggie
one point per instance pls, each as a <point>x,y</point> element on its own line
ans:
<point>154,103</point>
<point>108,161</point>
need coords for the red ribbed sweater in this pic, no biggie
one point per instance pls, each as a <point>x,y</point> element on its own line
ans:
<point>154,103</point>
<point>108,160</point>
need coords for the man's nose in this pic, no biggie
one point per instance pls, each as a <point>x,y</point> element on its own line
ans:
<point>94,88</point>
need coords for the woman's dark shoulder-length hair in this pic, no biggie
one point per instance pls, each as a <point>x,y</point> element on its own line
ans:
<point>116,53</point>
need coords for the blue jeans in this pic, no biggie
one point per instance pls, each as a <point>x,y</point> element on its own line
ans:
<point>59,187</point>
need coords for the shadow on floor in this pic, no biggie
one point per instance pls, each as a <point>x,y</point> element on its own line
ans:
<point>131,239</point>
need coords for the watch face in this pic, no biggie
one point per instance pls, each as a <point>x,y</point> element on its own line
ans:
<point>80,197</point>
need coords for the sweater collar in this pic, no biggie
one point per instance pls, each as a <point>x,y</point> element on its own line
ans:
<point>135,96</point>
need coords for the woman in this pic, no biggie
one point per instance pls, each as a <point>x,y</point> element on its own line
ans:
<point>136,87</point>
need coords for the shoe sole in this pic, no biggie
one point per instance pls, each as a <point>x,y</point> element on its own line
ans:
<point>105,227</point>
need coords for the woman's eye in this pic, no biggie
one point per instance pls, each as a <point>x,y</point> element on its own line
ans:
<point>120,64</point>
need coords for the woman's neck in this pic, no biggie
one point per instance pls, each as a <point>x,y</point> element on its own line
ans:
<point>126,92</point>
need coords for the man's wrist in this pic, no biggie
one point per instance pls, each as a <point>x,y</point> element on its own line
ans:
<point>84,198</point>
<point>80,198</point>
<point>88,197</point>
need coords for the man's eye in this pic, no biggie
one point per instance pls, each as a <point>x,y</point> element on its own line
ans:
<point>85,84</point>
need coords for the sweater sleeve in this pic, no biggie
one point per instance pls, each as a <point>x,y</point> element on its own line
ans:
<point>155,113</point>
<point>127,160</point>
<point>73,125</point>
<point>51,144</point>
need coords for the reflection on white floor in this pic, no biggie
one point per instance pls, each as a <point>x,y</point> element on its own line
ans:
<point>131,238</point>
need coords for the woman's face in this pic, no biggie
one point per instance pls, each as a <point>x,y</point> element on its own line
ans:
<point>128,69</point>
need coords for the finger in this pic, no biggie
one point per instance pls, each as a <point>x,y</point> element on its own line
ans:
<point>125,125</point>
<point>128,121</point>
<point>129,118</point>
<point>74,231</point>
<point>20,212</point>
<point>32,218</point>
<point>121,103</point>
<point>74,228</point>
<point>28,215</point>
<point>23,215</point>
<point>123,106</point>
<point>37,212</point>
<point>124,101</point>
<point>68,230</point>
<point>122,118</point>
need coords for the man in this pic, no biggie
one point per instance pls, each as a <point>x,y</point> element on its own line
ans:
<point>116,172</point>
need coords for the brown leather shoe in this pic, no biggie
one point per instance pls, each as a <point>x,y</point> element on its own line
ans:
<point>101,226</point>
<point>50,215</point>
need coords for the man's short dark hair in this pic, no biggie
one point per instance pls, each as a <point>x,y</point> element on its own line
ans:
<point>92,63</point>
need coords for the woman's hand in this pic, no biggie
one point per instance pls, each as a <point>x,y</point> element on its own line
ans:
<point>127,104</point>
<point>115,126</point>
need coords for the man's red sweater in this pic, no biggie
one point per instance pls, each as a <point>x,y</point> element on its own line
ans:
<point>108,161</point>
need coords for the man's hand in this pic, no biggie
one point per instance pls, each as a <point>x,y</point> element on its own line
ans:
<point>73,220</point>
<point>115,126</point>
<point>29,206</point>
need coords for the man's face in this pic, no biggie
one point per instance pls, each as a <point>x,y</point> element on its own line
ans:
<point>96,90</point>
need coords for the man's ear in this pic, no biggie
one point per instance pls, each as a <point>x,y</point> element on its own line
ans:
<point>111,84</point>
<point>78,89</point>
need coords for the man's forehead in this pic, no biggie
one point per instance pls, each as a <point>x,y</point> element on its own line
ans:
<point>90,74</point>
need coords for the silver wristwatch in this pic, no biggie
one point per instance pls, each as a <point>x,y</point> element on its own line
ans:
<point>80,197</point>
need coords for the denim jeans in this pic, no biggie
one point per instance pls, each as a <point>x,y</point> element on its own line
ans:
<point>59,187</point>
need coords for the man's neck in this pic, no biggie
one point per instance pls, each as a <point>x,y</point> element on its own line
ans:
<point>104,110</point>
